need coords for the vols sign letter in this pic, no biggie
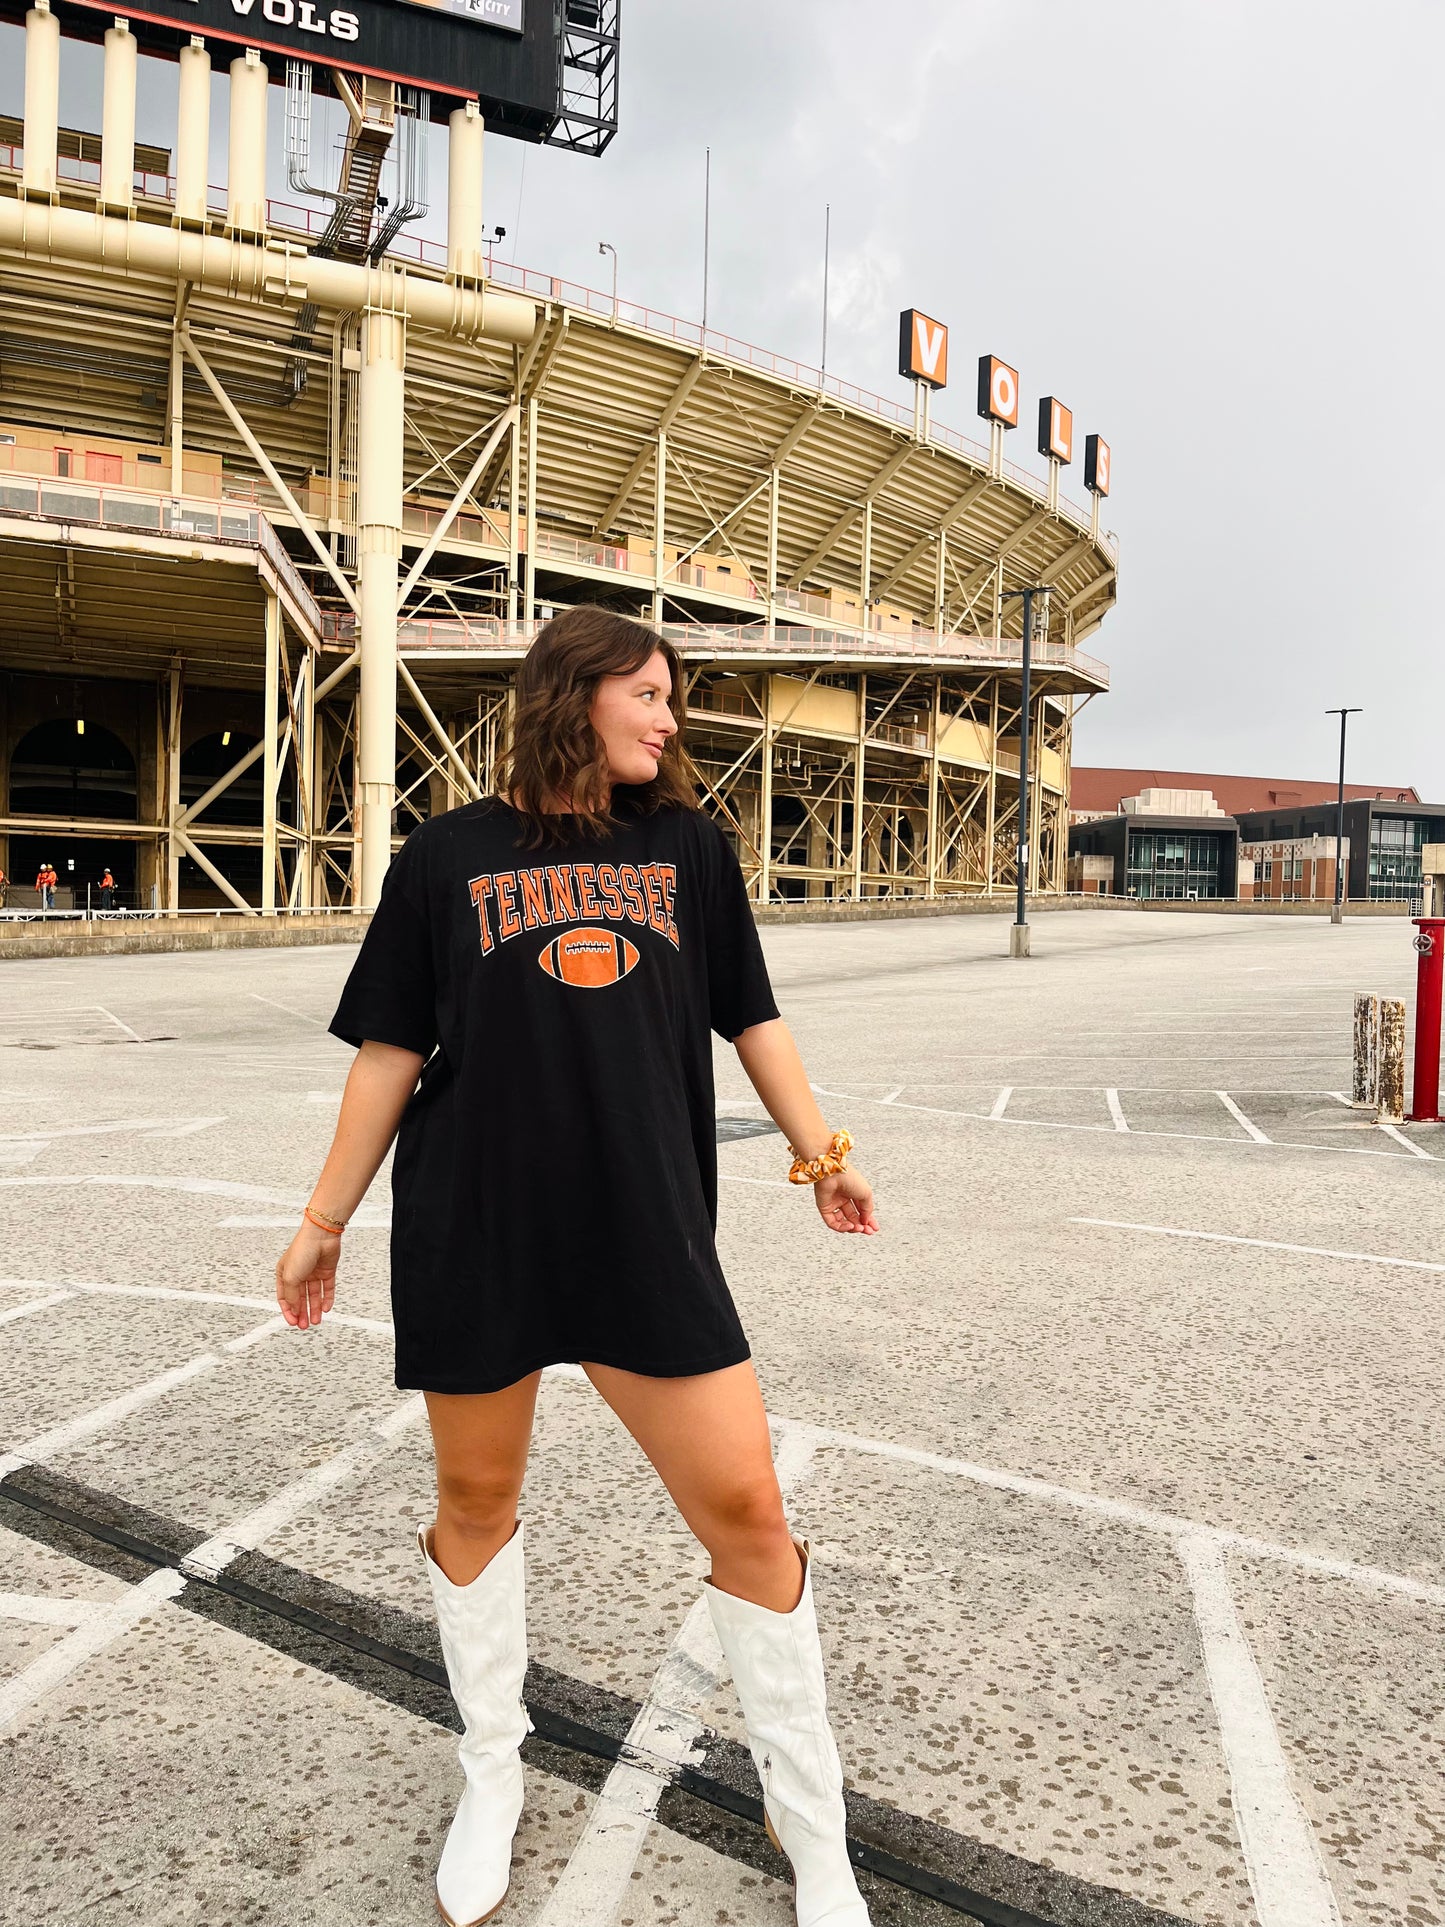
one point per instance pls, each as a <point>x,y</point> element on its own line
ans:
<point>998,391</point>
<point>922,348</point>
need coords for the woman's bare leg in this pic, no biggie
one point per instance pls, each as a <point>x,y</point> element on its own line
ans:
<point>708,1439</point>
<point>481,1442</point>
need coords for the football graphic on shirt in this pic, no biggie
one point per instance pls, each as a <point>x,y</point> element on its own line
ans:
<point>588,957</point>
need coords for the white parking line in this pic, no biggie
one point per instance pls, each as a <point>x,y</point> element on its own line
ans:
<point>213,1556</point>
<point>38,1609</point>
<point>61,1438</point>
<point>1058,1124</point>
<point>1145,1518</point>
<point>123,1026</point>
<point>1116,1110</point>
<point>1263,1244</point>
<point>1281,1854</point>
<point>319,1022</point>
<point>35,1304</point>
<point>93,1636</point>
<point>179,1296</point>
<point>1000,1103</point>
<point>1238,1115</point>
<point>1409,1144</point>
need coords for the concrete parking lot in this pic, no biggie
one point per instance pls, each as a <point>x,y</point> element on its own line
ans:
<point>1119,1450</point>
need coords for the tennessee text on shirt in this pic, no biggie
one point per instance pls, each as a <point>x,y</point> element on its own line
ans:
<point>511,901</point>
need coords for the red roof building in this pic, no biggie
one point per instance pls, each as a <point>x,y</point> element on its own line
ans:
<point>1099,792</point>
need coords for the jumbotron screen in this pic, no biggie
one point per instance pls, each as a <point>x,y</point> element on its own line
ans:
<point>506,54</point>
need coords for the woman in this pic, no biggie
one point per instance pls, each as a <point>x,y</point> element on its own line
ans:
<point>548,963</point>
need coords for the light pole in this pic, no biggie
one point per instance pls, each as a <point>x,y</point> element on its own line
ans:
<point>606,247</point>
<point>1337,914</point>
<point>1018,936</point>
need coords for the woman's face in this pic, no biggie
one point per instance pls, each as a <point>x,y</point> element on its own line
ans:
<point>631,715</point>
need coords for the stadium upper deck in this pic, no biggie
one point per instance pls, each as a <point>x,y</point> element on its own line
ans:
<point>222,451</point>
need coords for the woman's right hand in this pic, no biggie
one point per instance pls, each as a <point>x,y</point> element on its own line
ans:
<point>306,1275</point>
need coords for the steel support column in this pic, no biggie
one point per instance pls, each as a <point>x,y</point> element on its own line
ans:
<point>379,490</point>
<point>270,757</point>
<point>659,523</point>
<point>173,786</point>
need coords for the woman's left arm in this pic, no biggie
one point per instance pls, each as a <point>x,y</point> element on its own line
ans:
<point>770,1058</point>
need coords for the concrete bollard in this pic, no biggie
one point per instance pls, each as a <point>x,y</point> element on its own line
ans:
<point>1366,1082</point>
<point>1379,1073</point>
<point>1390,1095</point>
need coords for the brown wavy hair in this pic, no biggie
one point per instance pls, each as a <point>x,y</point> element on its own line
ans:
<point>553,751</point>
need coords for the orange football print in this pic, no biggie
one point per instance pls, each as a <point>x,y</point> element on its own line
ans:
<point>588,957</point>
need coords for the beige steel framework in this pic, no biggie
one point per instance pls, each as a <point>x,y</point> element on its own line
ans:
<point>246,492</point>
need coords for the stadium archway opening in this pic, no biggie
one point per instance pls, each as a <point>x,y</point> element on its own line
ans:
<point>60,771</point>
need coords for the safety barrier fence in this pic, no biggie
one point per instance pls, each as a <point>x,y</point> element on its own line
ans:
<point>180,517</point>
<point>788,642</point>
<point>289,217</point>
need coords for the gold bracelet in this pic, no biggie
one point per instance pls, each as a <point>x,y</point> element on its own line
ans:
<point>322,1222</point>
<point>835,1158</point>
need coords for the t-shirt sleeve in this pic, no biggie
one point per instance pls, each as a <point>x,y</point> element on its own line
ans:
<point>739,993</point>
<point>390,996</point>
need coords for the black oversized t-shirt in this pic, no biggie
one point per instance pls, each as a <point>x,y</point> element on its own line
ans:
<point>555,1180</point>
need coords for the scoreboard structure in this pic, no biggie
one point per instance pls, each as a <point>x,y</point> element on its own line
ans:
<point>539,70</point>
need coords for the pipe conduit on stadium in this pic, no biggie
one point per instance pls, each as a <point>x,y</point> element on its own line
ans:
<point>272,272</point>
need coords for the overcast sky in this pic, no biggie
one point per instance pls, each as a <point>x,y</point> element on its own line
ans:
<point>1210,226</point>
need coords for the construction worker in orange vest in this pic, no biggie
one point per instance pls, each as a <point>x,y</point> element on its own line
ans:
<point>45,883</point>
<point>107,890</point>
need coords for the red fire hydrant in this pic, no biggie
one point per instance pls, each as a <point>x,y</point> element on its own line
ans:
<point>1429,981</point>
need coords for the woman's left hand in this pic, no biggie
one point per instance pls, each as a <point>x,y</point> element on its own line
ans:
<point>845,1201</point>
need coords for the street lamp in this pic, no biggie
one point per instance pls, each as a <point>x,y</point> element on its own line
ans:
<point>606,247</point>
<point>1018,936</point>
<point>1337,914</point>
<point>489,241</point>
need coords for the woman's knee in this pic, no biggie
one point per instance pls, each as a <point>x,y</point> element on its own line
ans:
<point>477,1505</point>
<point>747,1511</point>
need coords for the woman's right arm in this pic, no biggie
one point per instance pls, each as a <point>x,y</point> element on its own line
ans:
<point>381,1081</point>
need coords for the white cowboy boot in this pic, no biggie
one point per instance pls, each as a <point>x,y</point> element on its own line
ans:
<point>484,1641</point>
<point>777,1666</point>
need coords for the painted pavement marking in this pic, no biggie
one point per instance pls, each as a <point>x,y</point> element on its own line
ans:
<point>319,1022</point>
<point>1281,1855</point>
<point>1263,1244</point>
<point>1116,1110</point>
<point>175,1294</point>
<point>211,1558</point>
<point>1000,1103</point>
<point>1238,1115</point>
<point>1399,1136</point>
<point>112,1622</point>
<point>75,1431</point>
<point>38,1609</point>
<point>135,1034</point>
<point>35,1304</point>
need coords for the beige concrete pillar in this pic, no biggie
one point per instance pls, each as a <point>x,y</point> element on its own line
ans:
<point>193,132</point>
<point>246,152</point>
<point>117,118</point>
<point>42,98</point>
<point>379,488</point>
<point>465,145</point>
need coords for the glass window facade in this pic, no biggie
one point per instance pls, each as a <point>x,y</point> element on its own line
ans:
<point>1396,871</point>
<point>1172,863</point>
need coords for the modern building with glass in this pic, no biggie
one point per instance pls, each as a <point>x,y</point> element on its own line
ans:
<point>1185,857</point>
<point>1383,842</point>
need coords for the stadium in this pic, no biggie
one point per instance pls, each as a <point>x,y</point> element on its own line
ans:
<point>284,495</point>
